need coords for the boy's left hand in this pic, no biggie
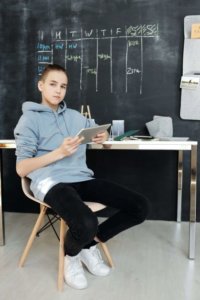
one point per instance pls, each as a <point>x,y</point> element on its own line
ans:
<point>100,138</point>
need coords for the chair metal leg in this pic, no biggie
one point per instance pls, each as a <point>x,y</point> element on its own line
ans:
<point>50,223</point>
<point>107,254</point>
<point>32,236</point>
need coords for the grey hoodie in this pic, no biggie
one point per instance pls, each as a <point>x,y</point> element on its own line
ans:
<point>41,130</point>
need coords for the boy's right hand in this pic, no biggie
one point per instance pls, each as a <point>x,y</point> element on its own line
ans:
<point>70,145</point>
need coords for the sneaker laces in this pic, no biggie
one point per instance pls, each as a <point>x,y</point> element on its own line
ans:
<point>75,266</point>
<point>96,255</point>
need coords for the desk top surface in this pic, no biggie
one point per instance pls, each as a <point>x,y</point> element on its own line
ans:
<point>127,145</point>
<point>145,145</point>
<point>4,144</point>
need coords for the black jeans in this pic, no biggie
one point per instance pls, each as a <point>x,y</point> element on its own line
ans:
<point>67,200</point>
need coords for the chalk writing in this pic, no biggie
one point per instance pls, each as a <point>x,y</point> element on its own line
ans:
<point>40,68</point>
<point>82,49</point>
<point>44,58</point>
<point>91,71</point>
<point>43,47</point>
<point>104,56</point>
<point>142,30</point>
<point>59,45</point>
<point>72,45</point>
<point>145,30</point>
<point>132,71</point>
<point>73,57</point>
<point>133,43</point>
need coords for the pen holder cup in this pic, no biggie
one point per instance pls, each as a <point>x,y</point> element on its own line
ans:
<point>117,128</point>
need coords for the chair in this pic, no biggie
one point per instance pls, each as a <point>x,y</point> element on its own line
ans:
<point>94,206</point>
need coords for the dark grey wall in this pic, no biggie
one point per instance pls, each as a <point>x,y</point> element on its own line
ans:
<point>144,81</point>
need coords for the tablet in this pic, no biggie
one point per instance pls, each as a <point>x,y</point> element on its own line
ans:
<point>91,132</point>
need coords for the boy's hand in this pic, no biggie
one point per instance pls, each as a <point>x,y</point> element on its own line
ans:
<point>100,138</point>
<point>70,145</point>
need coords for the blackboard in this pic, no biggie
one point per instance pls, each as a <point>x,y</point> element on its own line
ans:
<point>123,58</point>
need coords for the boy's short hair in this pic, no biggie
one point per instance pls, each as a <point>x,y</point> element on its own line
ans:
<point>49,68</point>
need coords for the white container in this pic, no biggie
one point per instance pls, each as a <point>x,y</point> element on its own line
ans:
<point>117,128</point>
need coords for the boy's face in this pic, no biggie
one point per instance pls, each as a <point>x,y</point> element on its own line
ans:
<point>53,88</point>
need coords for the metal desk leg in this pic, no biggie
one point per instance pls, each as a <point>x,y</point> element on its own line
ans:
<point>1,209</point>
<point>180,185</point>
<point>193,192</point>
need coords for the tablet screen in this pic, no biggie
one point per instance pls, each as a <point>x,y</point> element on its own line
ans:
<point>91,132</point>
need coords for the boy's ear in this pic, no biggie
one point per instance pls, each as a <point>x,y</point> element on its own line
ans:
<point>40,85</point>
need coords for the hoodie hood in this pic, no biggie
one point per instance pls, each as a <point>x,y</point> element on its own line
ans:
<point>37,107</point>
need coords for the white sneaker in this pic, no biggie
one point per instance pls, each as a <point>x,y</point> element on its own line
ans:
<point>93,261</point>
<point>74,273</point>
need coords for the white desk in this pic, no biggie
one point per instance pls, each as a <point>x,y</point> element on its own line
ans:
<point>179,146</point>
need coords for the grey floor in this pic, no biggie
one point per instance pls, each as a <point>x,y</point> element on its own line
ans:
<point>151,263</point>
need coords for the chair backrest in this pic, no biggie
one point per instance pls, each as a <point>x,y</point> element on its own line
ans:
<point>25,181</point>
